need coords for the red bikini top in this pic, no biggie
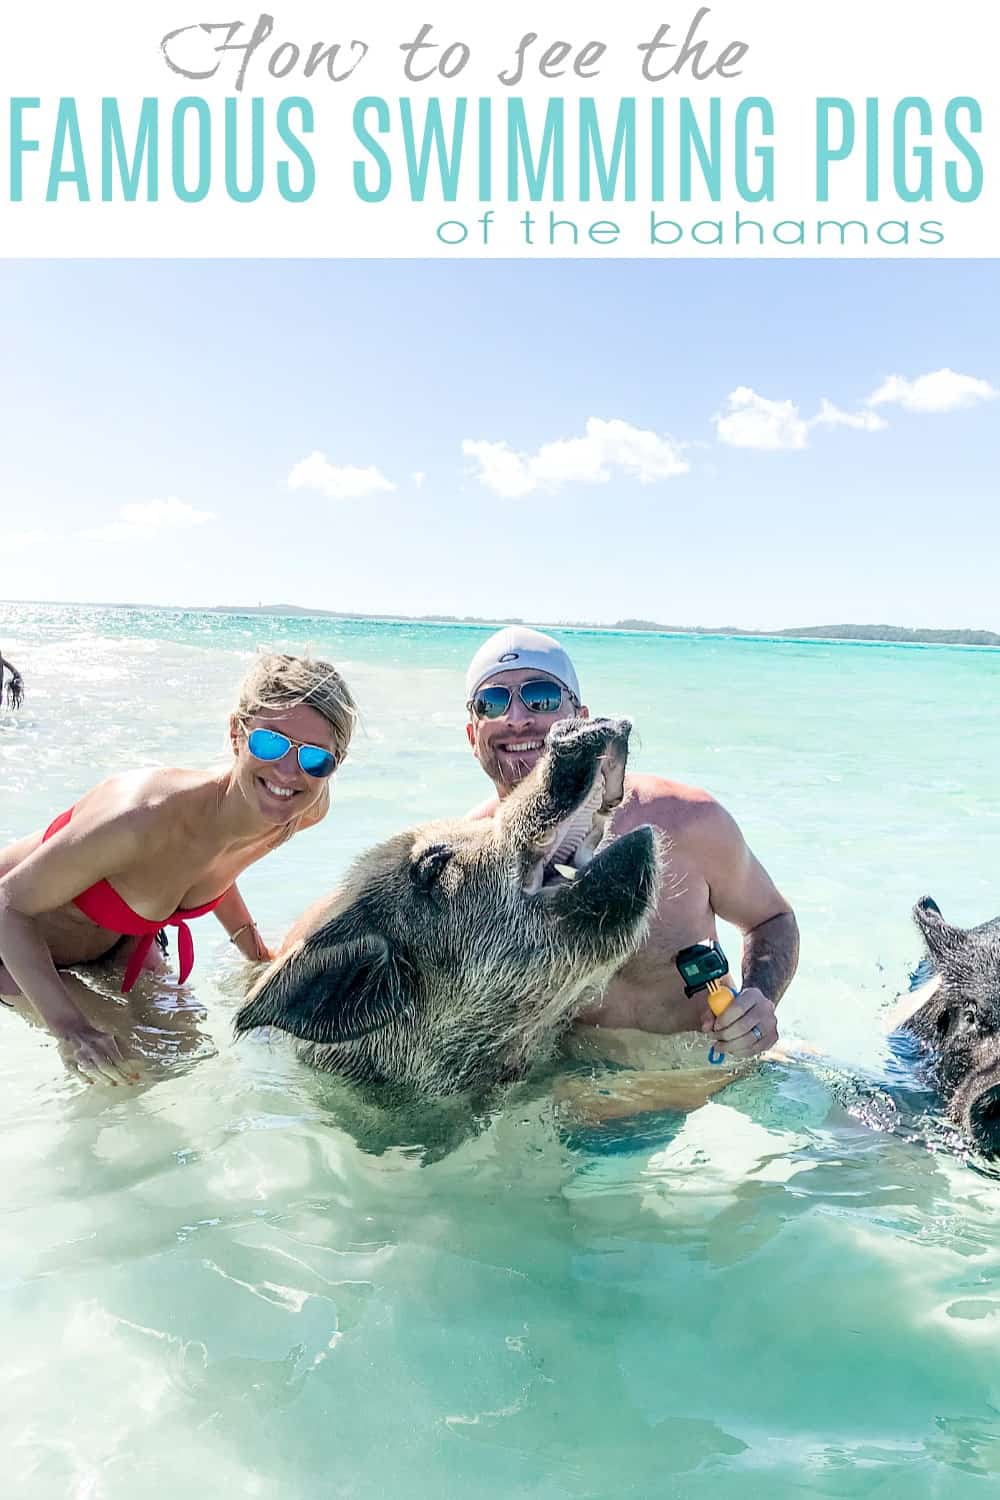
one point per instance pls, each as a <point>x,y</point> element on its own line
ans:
<point>103,905</point>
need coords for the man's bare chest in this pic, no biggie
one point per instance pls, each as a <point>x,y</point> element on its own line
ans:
<point>683,916</point>
<point>684,913</point>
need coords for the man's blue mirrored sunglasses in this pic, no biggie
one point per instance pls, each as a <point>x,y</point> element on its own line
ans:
<point>540,696</point>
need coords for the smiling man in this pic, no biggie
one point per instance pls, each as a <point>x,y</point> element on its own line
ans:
<point>519,683</point>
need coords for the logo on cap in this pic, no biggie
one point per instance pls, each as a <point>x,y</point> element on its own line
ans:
<point>509,656</point>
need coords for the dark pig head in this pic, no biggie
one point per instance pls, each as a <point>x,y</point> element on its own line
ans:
<point>456,954</point>
<point>960,1022</point>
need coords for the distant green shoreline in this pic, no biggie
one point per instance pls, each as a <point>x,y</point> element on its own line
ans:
<point>892,634</point>
<point>887,634</point>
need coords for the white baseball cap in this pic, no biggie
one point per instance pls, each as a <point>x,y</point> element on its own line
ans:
<point>517,646</point>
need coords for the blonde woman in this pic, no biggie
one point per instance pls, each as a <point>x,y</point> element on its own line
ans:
<point>151,850</point>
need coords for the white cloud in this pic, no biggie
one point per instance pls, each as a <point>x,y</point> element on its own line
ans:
<point>12,542</point>
<point>501,470</point>
<point>831,416</point>
<point>418,478</point>
<point>753,421</point>
<point>141,518</point>
<point>345,483</point>
<point>607,446</point>
<point>942,390</point>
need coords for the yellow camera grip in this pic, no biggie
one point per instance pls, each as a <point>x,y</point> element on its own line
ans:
<point>719,997</point>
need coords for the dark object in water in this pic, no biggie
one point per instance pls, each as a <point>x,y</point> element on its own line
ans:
<point>15,683</point>
<point>960,1023</point>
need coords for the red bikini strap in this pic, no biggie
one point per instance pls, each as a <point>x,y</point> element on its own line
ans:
<point>135,964</point>
<point>57,823</point>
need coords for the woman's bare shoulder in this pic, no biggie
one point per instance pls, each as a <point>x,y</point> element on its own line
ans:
<point>146,799</point>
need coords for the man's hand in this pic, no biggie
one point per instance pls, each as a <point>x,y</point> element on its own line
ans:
<point>747,1026</point>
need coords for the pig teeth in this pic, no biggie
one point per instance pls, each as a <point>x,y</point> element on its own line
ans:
<point>566,871</point>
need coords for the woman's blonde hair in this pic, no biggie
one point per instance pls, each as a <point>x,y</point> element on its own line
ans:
<point>277,682</point>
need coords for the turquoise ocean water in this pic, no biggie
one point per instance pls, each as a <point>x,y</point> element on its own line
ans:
<point>206,1287</point>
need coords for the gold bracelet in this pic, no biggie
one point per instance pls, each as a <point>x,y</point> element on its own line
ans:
<point>241,930</point>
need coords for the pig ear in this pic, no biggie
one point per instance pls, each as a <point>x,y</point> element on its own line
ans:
<point>334,988</point>
<point>429,868</point>
<point>941,938</point>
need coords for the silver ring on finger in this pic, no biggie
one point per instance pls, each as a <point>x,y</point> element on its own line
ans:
<point>756,1031</point>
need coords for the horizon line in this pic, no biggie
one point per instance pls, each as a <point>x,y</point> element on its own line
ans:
<point>626,627</point>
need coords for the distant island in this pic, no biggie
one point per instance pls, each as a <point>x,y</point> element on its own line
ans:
<point>899,634</point>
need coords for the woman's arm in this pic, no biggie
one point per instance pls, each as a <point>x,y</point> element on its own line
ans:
<point>234,914</point>
<point>87,1050</point>
<point>59,869</point>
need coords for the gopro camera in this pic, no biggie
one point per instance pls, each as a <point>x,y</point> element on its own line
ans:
<point>699,965</point>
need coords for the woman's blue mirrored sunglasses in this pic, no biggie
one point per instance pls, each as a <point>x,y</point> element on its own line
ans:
<point>268,744</point>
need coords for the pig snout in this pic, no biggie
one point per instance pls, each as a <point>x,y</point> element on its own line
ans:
<point>984,1121</point>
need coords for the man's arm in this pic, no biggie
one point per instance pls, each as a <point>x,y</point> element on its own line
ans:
<point>742,892</point>
<point>771,955</point>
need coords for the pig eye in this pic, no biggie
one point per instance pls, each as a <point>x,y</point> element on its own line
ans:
<point>426,871</point>
<point>958,1017</point>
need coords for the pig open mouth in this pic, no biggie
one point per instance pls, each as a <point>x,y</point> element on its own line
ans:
<point>574,843</point>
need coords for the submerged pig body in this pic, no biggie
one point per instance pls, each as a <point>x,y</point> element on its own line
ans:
<point>456,955</point>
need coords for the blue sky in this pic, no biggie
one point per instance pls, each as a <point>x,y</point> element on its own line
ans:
<point>413,437</point>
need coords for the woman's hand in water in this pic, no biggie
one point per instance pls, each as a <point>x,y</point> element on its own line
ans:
<point>246,938</point>
<point>263,953</point>
<point>93,1055</point>
<point>253,946</point>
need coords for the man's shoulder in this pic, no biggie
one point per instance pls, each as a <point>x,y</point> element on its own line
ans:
<point>670,805</point>
<point>646,790</point>
<point>665,804</point>
<point>484,809</point>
